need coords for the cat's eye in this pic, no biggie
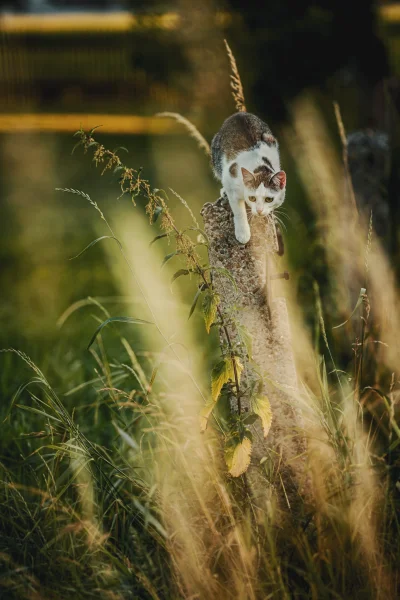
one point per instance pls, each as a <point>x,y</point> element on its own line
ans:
<point>252,198</point>
<point>269,200</point>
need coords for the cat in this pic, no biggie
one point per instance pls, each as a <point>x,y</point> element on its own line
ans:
<point>245,158</point>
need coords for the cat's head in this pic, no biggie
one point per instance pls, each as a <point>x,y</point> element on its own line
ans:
<point>263,191</point>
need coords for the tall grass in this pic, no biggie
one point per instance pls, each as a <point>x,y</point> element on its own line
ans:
<point>117,494</point>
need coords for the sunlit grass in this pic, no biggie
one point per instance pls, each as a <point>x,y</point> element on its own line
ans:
<point>110,490</point>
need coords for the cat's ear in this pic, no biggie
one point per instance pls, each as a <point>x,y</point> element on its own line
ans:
<point>269,139</point>
<point>248,178</point>
<point>278,181</point>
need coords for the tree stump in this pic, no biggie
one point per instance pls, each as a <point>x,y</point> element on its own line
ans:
<point>277,473</point>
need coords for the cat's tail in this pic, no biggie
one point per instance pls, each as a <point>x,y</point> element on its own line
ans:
<point>192,129</point>
<point>236,82</point>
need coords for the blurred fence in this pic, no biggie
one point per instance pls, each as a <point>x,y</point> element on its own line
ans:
<point>77,62</point>
<point>115,63</point>
<point>103,63</point>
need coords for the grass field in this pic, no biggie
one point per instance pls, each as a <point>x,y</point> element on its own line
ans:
<point>41,230</point>
<point>107,487</point>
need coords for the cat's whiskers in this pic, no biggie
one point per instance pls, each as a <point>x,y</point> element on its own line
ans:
<point>282,214</point>
<point>283,226</point>
<point>281,209</point>
<point>280,222</point>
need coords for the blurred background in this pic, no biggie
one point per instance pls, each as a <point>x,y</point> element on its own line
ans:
<point>64,64</point>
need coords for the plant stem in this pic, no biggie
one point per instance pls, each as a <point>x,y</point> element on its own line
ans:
<point>228,340</point>
<point>115,159</point>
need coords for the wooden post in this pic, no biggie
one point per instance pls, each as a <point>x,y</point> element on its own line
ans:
<point>277,469</point>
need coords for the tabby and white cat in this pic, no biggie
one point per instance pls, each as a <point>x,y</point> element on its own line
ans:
<point>245,158</point>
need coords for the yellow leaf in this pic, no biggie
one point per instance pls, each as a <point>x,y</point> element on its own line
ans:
<point>221,374</point>
<point>210,305</point>
<point>238,457</point>
<point>239,368</point>
<point>262,408</point>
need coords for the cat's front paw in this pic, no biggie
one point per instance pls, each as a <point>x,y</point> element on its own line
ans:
<point>242,234</point>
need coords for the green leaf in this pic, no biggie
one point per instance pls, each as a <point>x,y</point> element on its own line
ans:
<point>32,409</point>
<point>103,237</point>
<point>210,305</point>
<point>247,433</point>
<point>168,257</point>
<point>94,129</point>
<point>250,418</point>
<point>18,393</point>
<point>157,212</point>
<point>158,237</point>
<point>261,407</point>
<point>199,291</point>
<point>130,320</point>
<point>120,148</point>
<point>80,143</point>
<point>394,445</point>
<point>127,438</point>
<point>238,457</point>
<point>179,274</point>
<point>359,301</point>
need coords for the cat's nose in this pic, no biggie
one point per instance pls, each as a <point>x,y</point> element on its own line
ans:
<point>260,210</point>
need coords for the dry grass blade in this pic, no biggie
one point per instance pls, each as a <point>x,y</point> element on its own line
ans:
<point>192,129</point>
<point>236,82</point>
<point>345,155</point>
<point>186,205</point>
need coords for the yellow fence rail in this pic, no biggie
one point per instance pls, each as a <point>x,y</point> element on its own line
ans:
<point>94,22</point>
<point>69,123</point>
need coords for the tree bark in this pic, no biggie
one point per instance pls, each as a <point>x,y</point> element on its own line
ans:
<point>277,473</point>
